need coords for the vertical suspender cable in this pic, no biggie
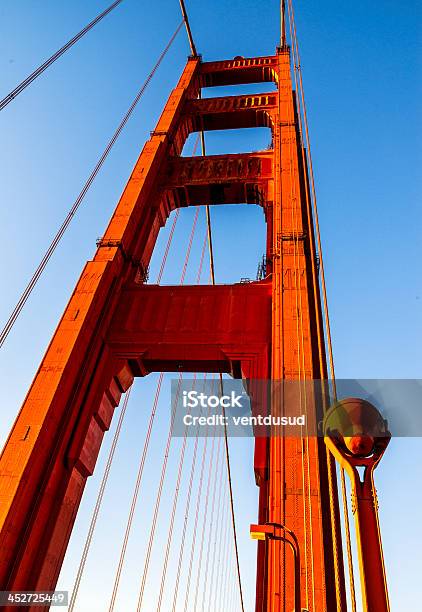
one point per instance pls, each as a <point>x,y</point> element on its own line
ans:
<point>197,510</point>
<point>205,517</point>
<point>215,512</point>
<point>158,497</point>
<point>173,512</point>
<point>44,261</point>
<point>216,554</point>
<point>223,574</point>
<point>167,249</point>
<point>186,513</point>
<point>29,79</point>
<point>212,462</point>
<point>135,495</point>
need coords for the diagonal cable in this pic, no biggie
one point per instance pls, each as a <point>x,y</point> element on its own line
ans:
<point>57,238</point>
<point>38,71</point>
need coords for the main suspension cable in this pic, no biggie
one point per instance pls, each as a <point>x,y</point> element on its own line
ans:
<point>187,25</point>
<point>38,71</point>
<point>57,238</point>
<point>282,23</point>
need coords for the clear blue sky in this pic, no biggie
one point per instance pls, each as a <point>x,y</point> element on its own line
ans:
<point>361,64</point>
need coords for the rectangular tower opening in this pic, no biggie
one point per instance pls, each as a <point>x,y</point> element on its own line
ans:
<point>223,142</point>
<point>239,242</point>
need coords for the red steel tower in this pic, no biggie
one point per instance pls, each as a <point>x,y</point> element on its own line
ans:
<point>116,327</point>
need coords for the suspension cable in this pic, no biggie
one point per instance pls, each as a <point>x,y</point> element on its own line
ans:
<point>135,494</point>
<point>187,509</point>
<point>221,580</point>
<point>197,510</point>
<point>57,238</point>
<point>282,23</point>
<point>38,71</point>
<point>187,25</point>
<point>213,462</point>
<point>216,554</point>
<point>211,489</point>
<point>167,249</point>
<point>218,478</point>
<point>158,497</point>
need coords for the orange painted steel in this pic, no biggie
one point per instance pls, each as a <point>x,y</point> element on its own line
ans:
<point>116,328</point>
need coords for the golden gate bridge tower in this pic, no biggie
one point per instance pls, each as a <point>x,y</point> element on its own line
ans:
<point>117,327</point>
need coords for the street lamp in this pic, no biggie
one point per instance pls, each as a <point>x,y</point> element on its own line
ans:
<point>268,531</point>
<point>357,435</point>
